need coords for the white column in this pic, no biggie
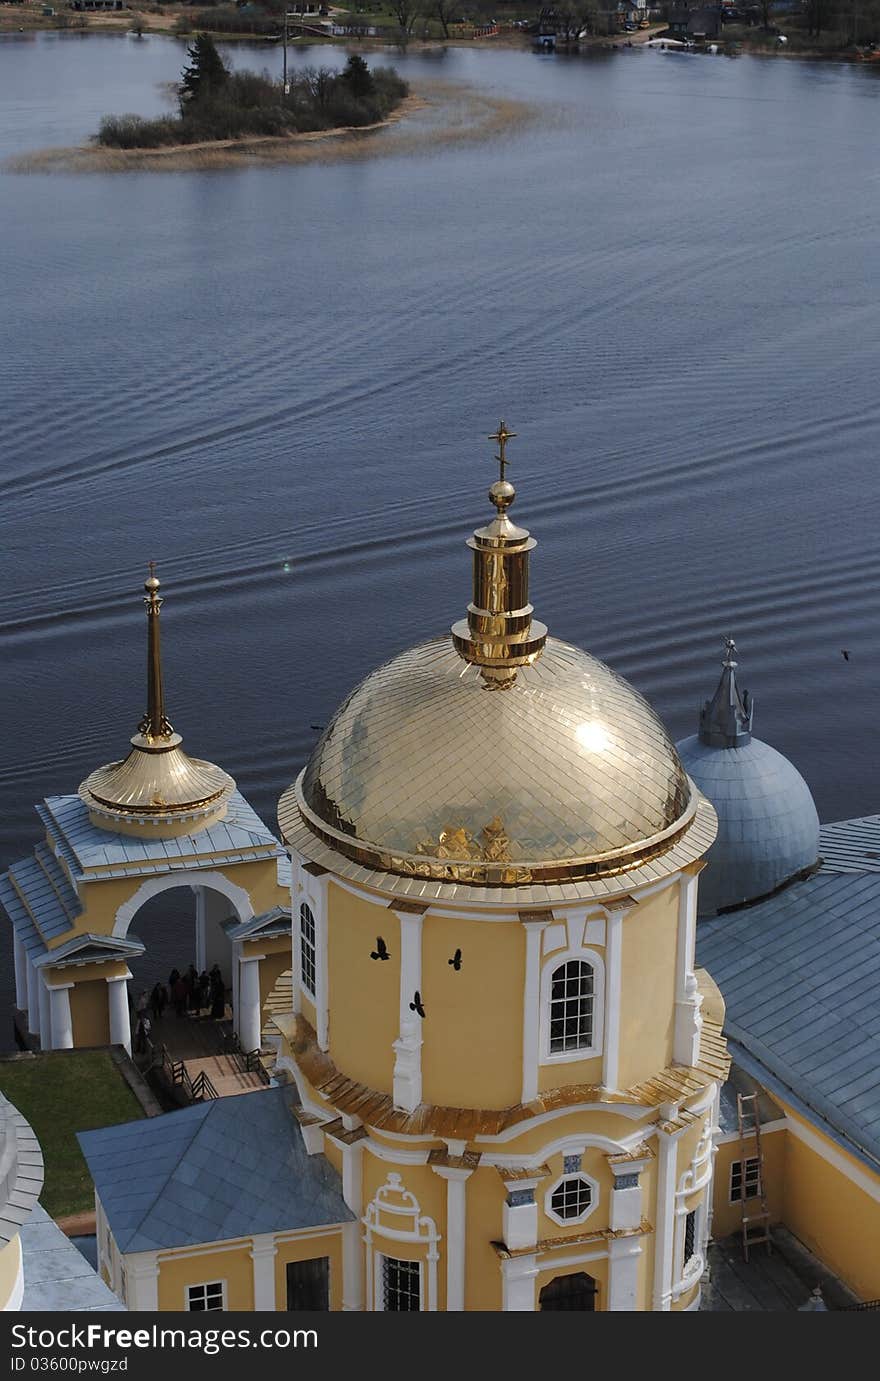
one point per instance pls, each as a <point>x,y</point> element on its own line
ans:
<point>21,986</point>
<point>249,1003</point>
<point>408,1046</point>
<point>352,1246</point>
<point>201,951</point>
<point>626,1199</point>
<point>518,1276</point>
<point>33,999</point>
<point>623,1273</point>
<point>532,1008</point>
<point>519,1219</point>
<point>62,1021</point>
<point>117,1003</point>
<point>613,965</point>
<point>142,1283</point>
<point>688,1023</point>
<point>263,1253</point>
<point>456,1234</point>
<point>665,1227</point>
<point>236,984</point>
<point>45,1014</point>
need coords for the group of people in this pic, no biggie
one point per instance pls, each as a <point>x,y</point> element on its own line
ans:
<point>190,993</point>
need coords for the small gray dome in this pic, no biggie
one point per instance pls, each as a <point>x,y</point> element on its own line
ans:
<point>768,829</point>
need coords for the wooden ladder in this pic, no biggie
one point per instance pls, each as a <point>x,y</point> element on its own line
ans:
<point>755,1220</point>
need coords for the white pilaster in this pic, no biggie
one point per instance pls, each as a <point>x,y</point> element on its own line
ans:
<point>352,1245</point>
<point>518,1276</point>
<point>665,1227</point>
<point>33,999</point>
<point>519,1218</point>
<point>532,1008</point>
<point>408,1046</point>
<point>201,920</point>
<point>45,1013</point>
<point>623,1273</point>
<point>249,1002</point>
<point>456,1233</point>
<point>688,1022</point>
<point>626,1198</point>
<point>236,983</point>
<point>62,1021</point>
<point>120,1020</point>
<point>263,1253</point>
<point>613,966</point>
<point>142,1283</point>
<point>21,983</point>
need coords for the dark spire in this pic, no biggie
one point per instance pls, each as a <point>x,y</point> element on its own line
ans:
<point>726,719</point>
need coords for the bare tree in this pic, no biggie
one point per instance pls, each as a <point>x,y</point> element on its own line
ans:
<point>446,10</point>
<point>406,12</point>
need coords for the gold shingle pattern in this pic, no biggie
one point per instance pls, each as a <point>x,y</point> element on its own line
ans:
<point>424,762</point>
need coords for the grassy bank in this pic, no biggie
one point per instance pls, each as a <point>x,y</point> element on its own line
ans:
<point>62,1094</point>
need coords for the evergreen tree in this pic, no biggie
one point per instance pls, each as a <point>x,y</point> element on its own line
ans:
<point>358,78</point>
<point>205,74</point>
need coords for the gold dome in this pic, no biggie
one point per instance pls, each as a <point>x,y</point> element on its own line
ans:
<point>428,770</point>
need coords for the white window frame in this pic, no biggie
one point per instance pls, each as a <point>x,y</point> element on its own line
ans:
<point>383,1259</point>
<point>550,966</point>
<point>204,1285</point>
<point>312,944</point>
<point>581,1217</point>
<point>746,1178</point>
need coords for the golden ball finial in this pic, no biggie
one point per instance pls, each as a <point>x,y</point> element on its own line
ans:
<point>151,584</point>
<point>502,495</point>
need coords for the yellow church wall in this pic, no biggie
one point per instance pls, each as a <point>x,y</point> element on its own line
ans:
<point>596,1168</point>
<point>10,1266</point>
<point>838,1220</point>
<point>90,1012</point>
<point>567,1072</point>
<point>364,993</point>
<point>485,1209</point>
<point>308,1010</point>
<point>307,1248</point>
<point>472,1050</point>
<point>647,990</point>
<point>230,1264</point>
<point>333,1152</point>
<point>271,969</point>
<point>727,1216</point>
<point>539,1133</point>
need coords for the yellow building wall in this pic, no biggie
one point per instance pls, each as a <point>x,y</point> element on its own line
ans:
<point>727,1216</point>
<point>647,988</point>
<point>90,1012</point>
<point>234,1265</point>
<point>838,1220</point>
<point>472,1050</point>
<point>595,1167</point>
<point>364,993</point>
<point>484,1290</point>
<point>10,1266</point>
<point>271,969</point>
<point>306,1249</point>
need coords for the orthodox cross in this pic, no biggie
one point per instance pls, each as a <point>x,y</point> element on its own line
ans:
<point>502,436</point>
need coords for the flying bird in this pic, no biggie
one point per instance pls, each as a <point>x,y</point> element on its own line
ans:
<point>316,726</point>
<point>844,654</point>
<point>455,961</point>
<point>416,1005</point>
<point>381,950</point>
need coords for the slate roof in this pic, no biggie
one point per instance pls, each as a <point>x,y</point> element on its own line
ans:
<point>800,975</point>
<point>214,1171</point>
<point>91,852</point>
<point>57,1278</point>
<point>273,922</point>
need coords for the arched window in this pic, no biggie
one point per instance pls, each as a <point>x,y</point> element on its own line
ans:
<point>307,947</point>
<point>572,1292</point>
<point>571,1007</point>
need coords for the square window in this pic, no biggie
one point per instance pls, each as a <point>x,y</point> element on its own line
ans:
<point>752,1182</point>
<point>401,1285</point>
<point>202,1297</point>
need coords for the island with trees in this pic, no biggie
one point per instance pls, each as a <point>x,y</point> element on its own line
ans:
<point>216,104</point>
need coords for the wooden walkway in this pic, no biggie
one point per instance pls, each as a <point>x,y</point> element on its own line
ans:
<point>778,1282</point>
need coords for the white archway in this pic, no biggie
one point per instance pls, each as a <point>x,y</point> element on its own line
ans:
<point>217,882</point>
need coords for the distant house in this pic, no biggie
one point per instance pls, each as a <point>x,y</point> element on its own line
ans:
<point>702,22</point>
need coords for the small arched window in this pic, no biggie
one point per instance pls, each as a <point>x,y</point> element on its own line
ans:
<point>307,948</point>
<point>571,1007</point>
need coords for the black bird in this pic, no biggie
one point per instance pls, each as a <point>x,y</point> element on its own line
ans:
<point>455,961</point>
<point>416,1006</point>
<point>316,726</point>
<point>381,950</point>
<point>844,654</point>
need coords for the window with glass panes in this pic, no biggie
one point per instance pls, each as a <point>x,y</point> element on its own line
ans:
<point>571,1007</point>
<point>401,1285</point>
<point>750,1181</point>
<point>571,1197</point>
<point>690,1237</point>
<point>307,948</point>
<point>200,1297</point>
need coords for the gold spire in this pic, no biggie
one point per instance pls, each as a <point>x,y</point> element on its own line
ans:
<point>154,724</point>
<point>158,781</point>
<point>499,633</point>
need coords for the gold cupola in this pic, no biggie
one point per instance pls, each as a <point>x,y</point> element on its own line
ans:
<point>158,788</point>
<point>499,633</point>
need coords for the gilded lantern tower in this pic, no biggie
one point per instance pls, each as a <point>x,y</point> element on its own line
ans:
<point>499,1038</point>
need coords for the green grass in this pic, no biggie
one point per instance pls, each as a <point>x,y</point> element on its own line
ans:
<point>60,1095</point>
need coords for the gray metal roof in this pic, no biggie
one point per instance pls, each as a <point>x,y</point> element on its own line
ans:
<point>214,1171</point>
<point>264,927</point>
<point>24,928</point>
<point>97,853</point>
<point>91,949</point>
<point>57,1277</point>
<point>800,975</point>
<point>851,846</point>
